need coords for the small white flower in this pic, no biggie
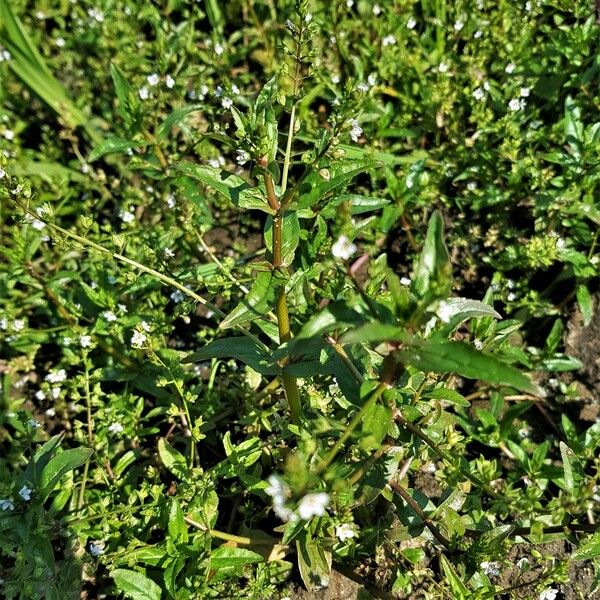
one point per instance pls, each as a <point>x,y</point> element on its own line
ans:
<point>376,10</point>
<point>510,68</point>
<point>343,248</point>
<point>138,339</point>
<point>109,315</point>
<point>515,104</point>
<point>478,34</point>
<point>5,55</point>
<point>96,14</point>
<point>560,243</point>
<point>491,569</point>
<point>313,505</point>
<point>40,395</point>
<point>443,67</point>
<point>356,130</point>
<point>177,296</point>
<point>60,42</point>
<point>430,467</point>
<point>411,23</point>
<point>153,79</point>
<point>524,92</point>
<point>144,93</point>
<point>471,186</point>
<point>548,593</point>
<point>241,157</point>
<point>126,216</point>
<point>458,25</point>
<point>7,504</point>
<point>349,3</point>
<point>144,325</point>
<point>2,173</point>
<point>479,94</point>
<point>511,297</point>
<point>388,40</point>
<point>55,392</point>
<point>277,489</point>
<point>169,82</point>
<point>227,103</point>
<point>214,163</point>
<point>50,412</point>
<point>219,49</point>
<point>56,376</point>
<point>67,341</point>
<point>115,427</point>
<point>85,341</point>
<point>362,87</point>
<point>445,312</point>
<point>405,280</point>
<point>169,253</point>
<point>524,432</point>
<point>372,79</point>
<point>34,424</point>
<point>529,8</point>
<point>171,202</point>
<point>18,324</point>
<point>478,344</point>
<point>122,308</point>
<point>345,531</point>
<point>25,493</point>
<point>335,79</point>
<point>9,134</point>
<point>523,563</point>
<point>96,549</point>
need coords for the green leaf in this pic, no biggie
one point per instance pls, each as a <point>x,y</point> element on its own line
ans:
<point>174,118</point>
<point>257,303</point>
<point>240,348</point>
<point>232,187</point>
<point>433,273</point>
<point>574,474</point>
<point>448,395</point>
<point>459,589</point>
<point>585,303</point>
<point>574,130</point>
<point>462,359</point>
<point>135,585</point>
<point>226,557</point>
<point>374,332</point>
<point>59,465</point>
<point>589,549</point>
<point>177,527</point>
<point>290,236</point>
<point>314,563</point>
<point>361,204</point>
<point>375,425</point>
<point>457,310</point>
<point>172,459</point>
<point>114,145</point>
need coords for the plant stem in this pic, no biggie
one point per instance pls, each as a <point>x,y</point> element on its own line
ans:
<point>426,520</point>
<point>228,537</point>
<point>90,434</point>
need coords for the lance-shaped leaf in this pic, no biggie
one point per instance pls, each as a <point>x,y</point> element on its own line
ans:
<point>464,360</point>
<point>232,187</point>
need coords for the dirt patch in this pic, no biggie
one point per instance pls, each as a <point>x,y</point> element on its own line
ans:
<point>340,588</point>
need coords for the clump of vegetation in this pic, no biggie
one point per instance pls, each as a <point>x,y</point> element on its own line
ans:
<point>298,294</point>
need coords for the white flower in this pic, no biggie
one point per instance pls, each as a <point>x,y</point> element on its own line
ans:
<point>219,49</point>
<point>356,130</point>
<point>4,55</point>
<point>115,427</point>
<point>96,549</point>
<point>60,42</point>
<point>55,392</point>
<point>430,468</point>
<point>445,312</point>
<point>85,341</point>
<point>443,67</point>
<point>214,163</point>
<point>349,3</point>
<point>25,493</point>
<point>560,243</point>
<point>411,23</point>
<point>153,79</point>
<point>523,563</point>
<point>177,296</point>
<point>122,308</point>
<point>345,531</point>
<point>343,248</point>
<point>524,92</point>
<point>144,325</point>
<point>126,216</point>
<point>2,173</point>
<point>491,569</point>
<point>479,94</point>
<point>478,34</point>
<point>227,103</point>
<point>313,505</point>
<point>277,489</point>
<point>109,315</point>
<point>388,40</point>
<point>511,297</point>
<point>478,344</point>
<point>138,339</point>
<point>528,8</point>
<point>372,79</point>
<point>362,87</point>
<point>471,186</point>
<point>169,253</point>
<point>169,82</point>
<point>242,157</point>
<point>56,376</point>
<point>515,104</point>
<point>34,424</point>
<point>524,432</point>
<point>171,202</point>
<point>549,594</point>
<point>7,504</point>
<point>510,67</point>
<point>405,280</point>
<point>144,93</point>
<point>458,25</point>
<point>376,10</point>
<point>40,395</point>
<point>19,324</point>
<point>96,14</point>
<point>9,134</point>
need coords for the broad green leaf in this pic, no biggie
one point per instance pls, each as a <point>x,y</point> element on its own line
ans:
<point>448,395</point>
<point>374,332</point>
<point>463,359</point>
<point>361,204</point>
<point>59,465</point>
<point>240,348</point>
<point>135,585</point>
<point>314,563</point>
<point>177,116</point>
<point>334,315</point>
<point>375,425</point>
<point>574,474</point>
<point>176,526</point>
<point>433,272</point>
<point>590,548</point>
<point>114,145</point>
<point>459,589</point>
<point>457,310</point>
<point>232,187</point>
<point>574,130</point>
<point>585,303</point>
<point>257,303</point>
<point>290,236</point>
<point>226,557</point>
<point>172,459</point>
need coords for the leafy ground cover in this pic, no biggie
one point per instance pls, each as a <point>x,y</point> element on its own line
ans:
<point>299,299</point>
